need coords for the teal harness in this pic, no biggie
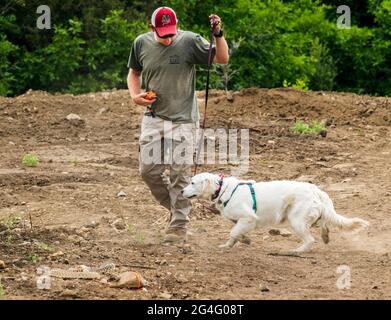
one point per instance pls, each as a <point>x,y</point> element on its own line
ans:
<point>250,185</point>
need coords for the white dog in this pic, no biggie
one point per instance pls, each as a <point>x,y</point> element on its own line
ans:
<point>251,204</point>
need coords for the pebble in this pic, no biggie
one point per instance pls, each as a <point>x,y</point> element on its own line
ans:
<point>165,295</point>
<point>2,264</point>
<point>230,97</point>
<point>56,255</point>
<point>119,224</point>
<point>130,280</point>
<point>74,119</point>
<point>263,288</point>
<point>163,263</point>
<point>121,194</point>
<point>280,232</point>
<point>92,225</point>
<point>68,294</point>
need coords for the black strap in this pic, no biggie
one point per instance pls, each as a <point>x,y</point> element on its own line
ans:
<point>210,61</point>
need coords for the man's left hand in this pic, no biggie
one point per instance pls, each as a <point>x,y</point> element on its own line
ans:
<point>215,23</point>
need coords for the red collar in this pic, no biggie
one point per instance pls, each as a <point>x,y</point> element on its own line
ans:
<point>217,192</point>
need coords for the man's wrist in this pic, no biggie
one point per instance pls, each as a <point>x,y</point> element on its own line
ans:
<point>219,34</point>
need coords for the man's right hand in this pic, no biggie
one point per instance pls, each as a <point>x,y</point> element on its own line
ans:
<point>140,100</point>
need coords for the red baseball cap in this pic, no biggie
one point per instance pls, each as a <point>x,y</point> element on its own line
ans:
<point>164,21</point>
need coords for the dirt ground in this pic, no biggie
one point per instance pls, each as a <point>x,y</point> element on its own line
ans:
<point>65,212</point>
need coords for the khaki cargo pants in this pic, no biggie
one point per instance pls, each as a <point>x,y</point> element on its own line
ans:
<point>166,145</point>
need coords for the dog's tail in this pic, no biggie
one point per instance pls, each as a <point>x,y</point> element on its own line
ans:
<point>329,216</point>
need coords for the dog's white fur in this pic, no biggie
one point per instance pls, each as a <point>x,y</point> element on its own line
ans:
<point>299,203</point>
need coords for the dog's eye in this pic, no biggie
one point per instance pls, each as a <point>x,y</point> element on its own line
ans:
<point>192,183</point>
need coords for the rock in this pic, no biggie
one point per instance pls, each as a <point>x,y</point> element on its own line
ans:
<point>271,142</point>
<point>107,266</point>
<point>263,288</point>
<point>69,294</point>
<point>82,231</point>
<point>2,265</point>
<point>119,224</point>
<point>230,97</point>
<point>342,166</point>
<point>181,279</point>
<point>92,225</point>
<point>163,263</point>
<point>165,295</point>
<point>121,194</point>
<point>74,119</point>
<point>103,110</point>
<point>323,133</point>
<point>130,280</point>
<point>56,255</point>
<point>186,248</point>
<point>280,232</point>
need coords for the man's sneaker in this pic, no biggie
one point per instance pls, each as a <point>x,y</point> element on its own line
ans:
<point>175,235</point>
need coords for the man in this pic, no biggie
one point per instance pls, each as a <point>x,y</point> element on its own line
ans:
<point>164,60</point>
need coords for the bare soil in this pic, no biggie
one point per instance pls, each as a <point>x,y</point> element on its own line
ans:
<point>65,212</point>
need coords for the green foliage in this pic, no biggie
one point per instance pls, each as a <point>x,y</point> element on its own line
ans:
<point>107,57</point>
<point>313,127</point>
<point>299,84</point>
<point>33,257</point>
<point>271,41</point>
<point>45,247</point>
<point>12,222</point>
<point>6,76</point>
<point>30,160</point>
<point>137,234</point>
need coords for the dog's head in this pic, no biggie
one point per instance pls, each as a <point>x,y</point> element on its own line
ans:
<point>202,185</point>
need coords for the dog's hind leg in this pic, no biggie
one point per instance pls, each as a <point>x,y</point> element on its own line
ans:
<point>300,220</point>
<point>302,230</point>
<point>238,232</point>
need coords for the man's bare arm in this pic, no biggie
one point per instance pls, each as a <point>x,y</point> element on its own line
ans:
<point>134,85</point>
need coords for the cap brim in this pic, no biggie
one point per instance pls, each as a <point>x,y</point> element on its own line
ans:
<point>163,31</point>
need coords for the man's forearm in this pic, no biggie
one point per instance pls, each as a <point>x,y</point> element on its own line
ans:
<point>134,85</point>
<point>222,53</point>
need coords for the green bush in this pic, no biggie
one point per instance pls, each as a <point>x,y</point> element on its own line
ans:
<point>271,41</point>
<point>313,127</point>
<point>6,75</point>
<point>30,160</point>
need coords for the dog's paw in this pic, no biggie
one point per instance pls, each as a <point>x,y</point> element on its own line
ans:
<point>225,247</point>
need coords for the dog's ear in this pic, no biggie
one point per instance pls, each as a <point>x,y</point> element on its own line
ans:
<point>210,183</point>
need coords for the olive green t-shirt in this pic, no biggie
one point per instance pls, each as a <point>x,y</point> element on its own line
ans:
<point>170,72</point>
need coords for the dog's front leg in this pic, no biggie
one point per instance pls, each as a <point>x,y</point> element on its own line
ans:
<point>238,232</point>
<point>243,238</point>
<point>229,244</point>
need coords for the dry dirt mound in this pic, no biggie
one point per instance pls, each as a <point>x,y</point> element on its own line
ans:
<point>65,212</point>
